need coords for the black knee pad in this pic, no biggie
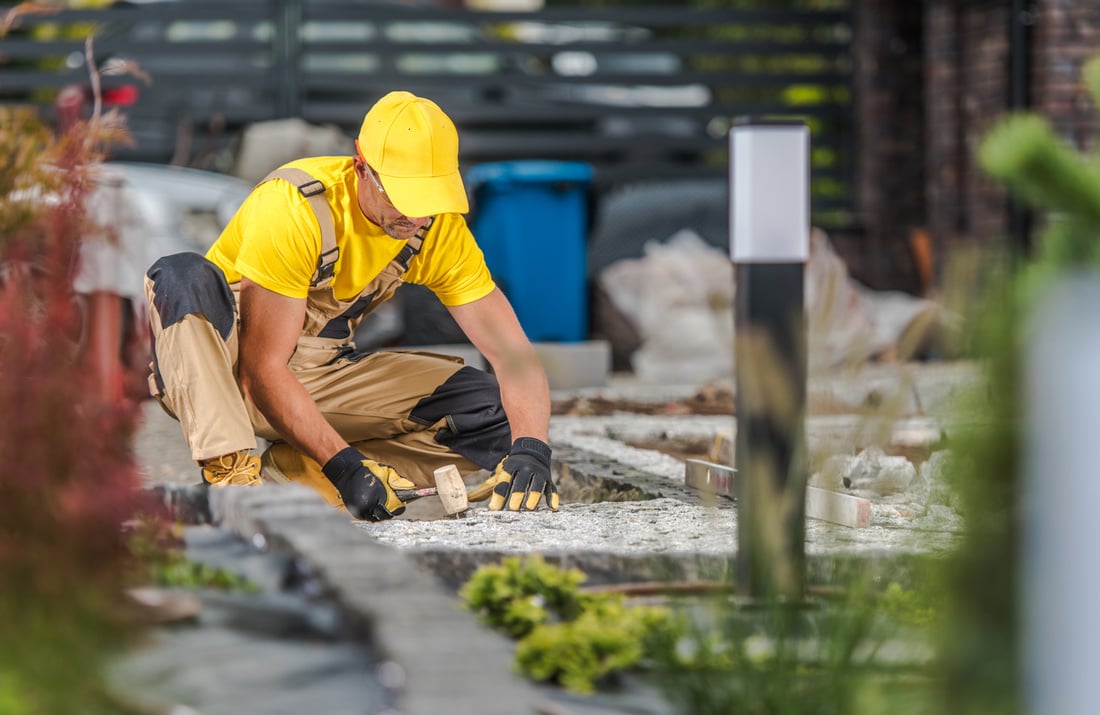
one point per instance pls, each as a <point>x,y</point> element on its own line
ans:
<point>477,427</point>
<point>186,283</point>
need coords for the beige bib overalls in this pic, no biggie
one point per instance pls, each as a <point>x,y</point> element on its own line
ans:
<point>415,411</point>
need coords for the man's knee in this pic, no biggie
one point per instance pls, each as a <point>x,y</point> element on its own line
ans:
<point>186,283</point>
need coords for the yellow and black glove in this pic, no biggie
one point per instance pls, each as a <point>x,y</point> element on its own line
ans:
<point>366,486</point>
<point>522,478</point>
<point>485,490</point>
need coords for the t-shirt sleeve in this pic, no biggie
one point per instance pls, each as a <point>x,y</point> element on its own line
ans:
<point>451,264</point>
<point>280,239</point>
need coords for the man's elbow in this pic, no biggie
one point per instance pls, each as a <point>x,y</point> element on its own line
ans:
<point>250,377</point>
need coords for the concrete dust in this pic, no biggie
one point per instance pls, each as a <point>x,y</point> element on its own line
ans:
<point>659,526</point>
<point>895,415</point>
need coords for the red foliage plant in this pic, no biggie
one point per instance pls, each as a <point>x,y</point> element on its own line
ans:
<point>67,474</point>
<point>68,477</point>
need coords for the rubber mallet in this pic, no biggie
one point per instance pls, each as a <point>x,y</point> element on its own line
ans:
<point>449,487</point>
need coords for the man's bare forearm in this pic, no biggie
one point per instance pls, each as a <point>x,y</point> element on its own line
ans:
<point>492,327</point>
<point>270,326</point>
<point>525,395</point>
<point>289,408</point>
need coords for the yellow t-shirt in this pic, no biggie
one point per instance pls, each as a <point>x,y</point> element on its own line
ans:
<point>274,240</point>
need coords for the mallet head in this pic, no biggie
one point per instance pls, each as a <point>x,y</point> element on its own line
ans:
<point>452,490</point>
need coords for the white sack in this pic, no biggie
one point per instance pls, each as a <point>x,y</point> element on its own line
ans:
<point>679,297</point>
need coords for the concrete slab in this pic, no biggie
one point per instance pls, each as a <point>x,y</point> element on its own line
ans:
<point>570,366</point>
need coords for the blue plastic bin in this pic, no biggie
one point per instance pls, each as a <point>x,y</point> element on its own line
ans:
<point>531,220</point>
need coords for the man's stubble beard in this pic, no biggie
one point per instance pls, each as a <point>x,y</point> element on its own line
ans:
<point>399,229</point>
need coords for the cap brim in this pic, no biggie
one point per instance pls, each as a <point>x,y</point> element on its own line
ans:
<point>420,197</point>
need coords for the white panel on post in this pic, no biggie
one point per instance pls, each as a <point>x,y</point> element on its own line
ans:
<point>770,193</point>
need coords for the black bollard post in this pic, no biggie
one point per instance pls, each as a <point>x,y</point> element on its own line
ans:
<point>769,245</point>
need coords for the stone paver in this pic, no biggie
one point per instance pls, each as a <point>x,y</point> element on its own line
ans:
<point>272,652</point>
<point>451,663</point>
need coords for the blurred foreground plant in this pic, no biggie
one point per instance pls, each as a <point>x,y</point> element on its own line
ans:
<point>980,648</point>
<point>157,544</point>
<point>68,479</point>
<point>863,652</point>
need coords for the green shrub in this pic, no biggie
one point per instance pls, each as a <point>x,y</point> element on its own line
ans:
<point>604,639</point>
<point>907,607</point>
<point>521,593</point>
<point>565,636</point>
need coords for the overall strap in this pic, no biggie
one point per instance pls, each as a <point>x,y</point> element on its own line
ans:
<point>412,246</point>
<point>326,317</point>
<point>314,192</point>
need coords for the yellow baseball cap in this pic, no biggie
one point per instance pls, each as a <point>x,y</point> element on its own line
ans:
<point>413,147</point>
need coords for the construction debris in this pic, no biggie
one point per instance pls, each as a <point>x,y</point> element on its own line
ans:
<point>687,283</point>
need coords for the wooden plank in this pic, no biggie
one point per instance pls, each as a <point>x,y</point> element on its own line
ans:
<point>821,504</point>
<point>709,477</point>
<point>837,508</point>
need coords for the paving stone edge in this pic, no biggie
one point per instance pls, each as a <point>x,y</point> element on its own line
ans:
<point>451,663</point>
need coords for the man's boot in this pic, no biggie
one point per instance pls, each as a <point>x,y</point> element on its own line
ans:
<point>283,464</point>
<point>239,468</point>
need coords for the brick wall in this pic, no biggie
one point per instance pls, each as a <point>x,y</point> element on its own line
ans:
<point>889,168</point>
<point>967,90</point>
<point>930,79</point>
<point>967,66</point>
<point>1065,34</point>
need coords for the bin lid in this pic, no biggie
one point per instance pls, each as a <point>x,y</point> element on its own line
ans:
<point>527,171</point>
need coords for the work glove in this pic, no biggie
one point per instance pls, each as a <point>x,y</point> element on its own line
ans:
<point>523,477</point>
<point>366,486</point>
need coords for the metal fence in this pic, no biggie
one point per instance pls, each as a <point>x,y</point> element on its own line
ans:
<point>639,92</point>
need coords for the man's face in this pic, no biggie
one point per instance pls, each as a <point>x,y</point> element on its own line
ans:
<point>376,205</point>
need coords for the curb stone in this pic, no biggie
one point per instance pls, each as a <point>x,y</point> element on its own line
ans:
<point>450,662</point>
<point>270,651</point>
